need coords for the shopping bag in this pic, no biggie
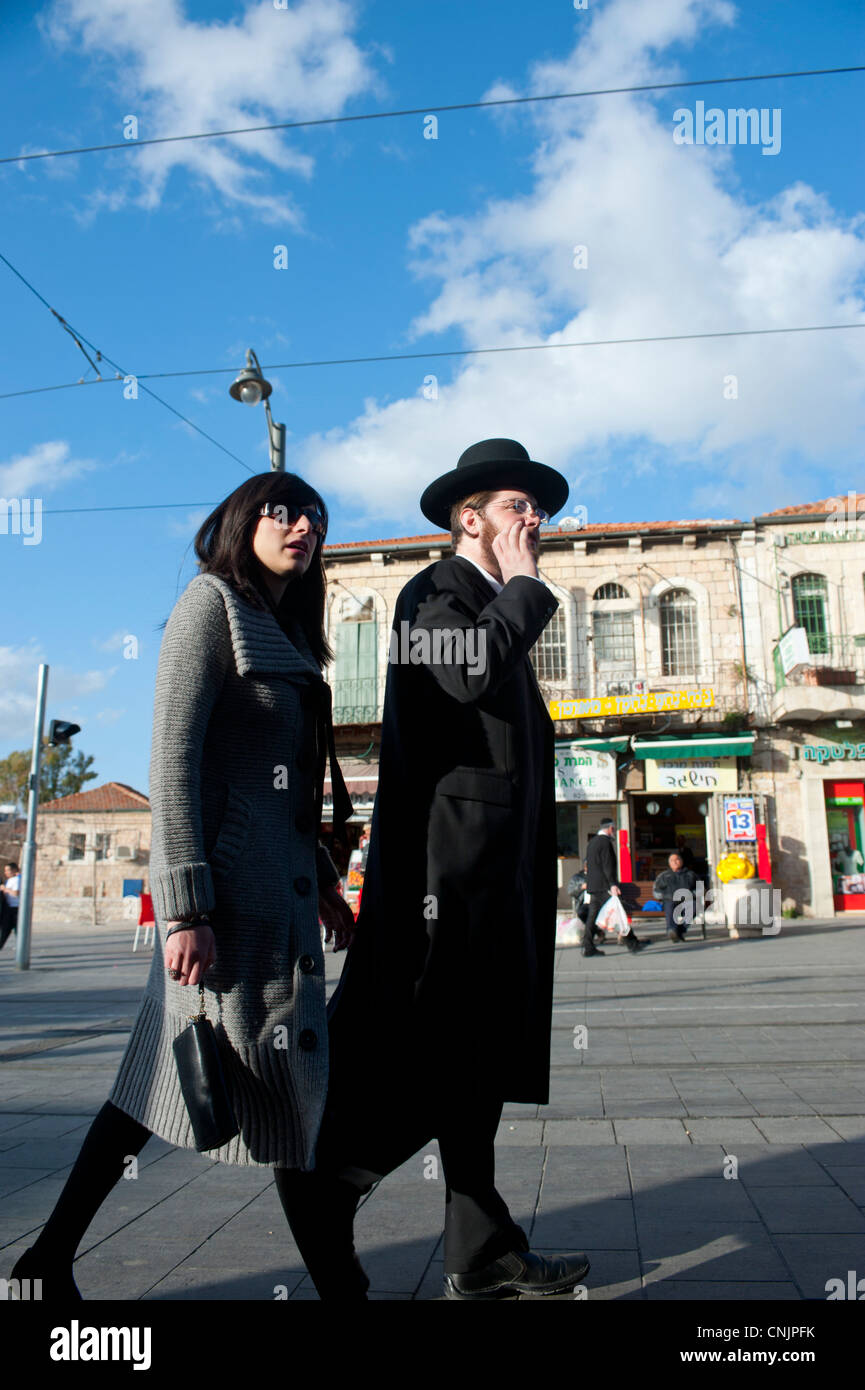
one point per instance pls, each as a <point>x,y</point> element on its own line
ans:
<point>569,932</point>
<point>613,918</point>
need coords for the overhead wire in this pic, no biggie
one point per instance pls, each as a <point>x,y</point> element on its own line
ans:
<point>429,110</point>
<point>102,356</point>
<point>449,352</point>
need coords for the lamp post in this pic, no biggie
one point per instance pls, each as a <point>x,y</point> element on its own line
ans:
<point>251,388</point>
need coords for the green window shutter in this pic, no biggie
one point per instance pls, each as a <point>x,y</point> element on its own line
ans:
<point>354,680</point>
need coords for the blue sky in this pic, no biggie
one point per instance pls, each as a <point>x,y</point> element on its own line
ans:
<point>164,258</point>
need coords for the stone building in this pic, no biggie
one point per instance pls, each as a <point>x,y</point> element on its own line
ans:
<point>93,850</point>
<point>674,711</point>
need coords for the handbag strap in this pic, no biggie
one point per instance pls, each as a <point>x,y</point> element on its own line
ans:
<point>202,1013</point>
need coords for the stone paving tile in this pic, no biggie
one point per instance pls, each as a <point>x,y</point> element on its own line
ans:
<point>651,1132</point>
<point>193,1283</point>
<point>723,1200</point>
<point>848,1128</point>
<point>807,1210</point>
<point>673,1290</point>
<point>519,1132</point>
<point>798,1130</point>
<point>580,1174</point>
<point>604,1224</point>
<point>653,1163</point>
<point>725,1131</point>
<point>815,1259</point>
<point>573,1132</point>
<point>779,1166</point>
<point>708,1252</point>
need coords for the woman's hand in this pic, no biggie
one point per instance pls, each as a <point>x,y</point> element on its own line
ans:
<point>337,917</point>
<point>190,952</point>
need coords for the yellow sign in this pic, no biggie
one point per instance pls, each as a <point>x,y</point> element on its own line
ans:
<point>656,702</point>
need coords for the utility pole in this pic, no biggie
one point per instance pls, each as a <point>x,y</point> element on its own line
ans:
<point>28,852</point>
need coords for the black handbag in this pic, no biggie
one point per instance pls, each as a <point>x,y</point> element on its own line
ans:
<point>202,1082</point>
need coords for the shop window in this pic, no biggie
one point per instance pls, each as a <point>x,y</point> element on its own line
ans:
<point>550,652</point>
<point>678,633</point>
<point>77,845</point>
<point>810,599</point>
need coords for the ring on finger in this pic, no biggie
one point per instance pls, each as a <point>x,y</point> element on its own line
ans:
<point>174,974</point>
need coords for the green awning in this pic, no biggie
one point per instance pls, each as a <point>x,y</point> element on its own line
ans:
<point>736,746</point>
<point>596,745</point>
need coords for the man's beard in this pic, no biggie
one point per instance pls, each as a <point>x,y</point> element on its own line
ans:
<point>490,560</point>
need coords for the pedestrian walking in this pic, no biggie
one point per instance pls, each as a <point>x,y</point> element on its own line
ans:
<point>10,898</point>
<point>444,1007</point>
<point>241,733</point>
<point>602,883</point>
<point>676,886</point>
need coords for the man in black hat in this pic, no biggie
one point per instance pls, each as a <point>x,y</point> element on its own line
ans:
<point>444,1007</point>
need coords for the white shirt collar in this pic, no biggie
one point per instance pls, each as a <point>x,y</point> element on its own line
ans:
<point>497,586</point>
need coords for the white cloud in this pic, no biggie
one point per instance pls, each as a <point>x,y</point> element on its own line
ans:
<point>674,246</point>
<point>187,525</point>
<point>180,76</point>
<point>42,468</point>
<point>18,676</point>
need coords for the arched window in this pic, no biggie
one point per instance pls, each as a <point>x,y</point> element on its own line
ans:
<point>613,629</point>
<point>810,599</point>
<point>679,655</point>
<point>550,652</point>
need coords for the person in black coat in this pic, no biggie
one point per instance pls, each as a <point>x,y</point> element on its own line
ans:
<point>675,887</point>
<point>444,1008</point>
<point>601,884</point>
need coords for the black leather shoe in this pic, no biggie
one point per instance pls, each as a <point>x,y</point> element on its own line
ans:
<point>594,952</point>
<point>519,1272</point>
<point>638,946</point>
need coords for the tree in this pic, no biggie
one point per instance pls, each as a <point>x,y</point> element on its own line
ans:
<point>64,771</point>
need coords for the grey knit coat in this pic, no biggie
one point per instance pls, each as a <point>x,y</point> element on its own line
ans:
<point>234,765</point>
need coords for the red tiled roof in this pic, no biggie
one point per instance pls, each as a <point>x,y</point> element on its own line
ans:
<point>111,796</point>
<point>824,508</point>
<point>596,528</point>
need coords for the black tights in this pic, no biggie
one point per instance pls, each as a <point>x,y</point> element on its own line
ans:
<point>112,1138</point>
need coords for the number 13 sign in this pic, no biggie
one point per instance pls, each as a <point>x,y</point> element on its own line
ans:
<point>740,818</point>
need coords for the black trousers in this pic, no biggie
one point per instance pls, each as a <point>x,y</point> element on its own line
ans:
<point>8,919</point>
<point>596,902</point>
<point>366,1133</point>
<point>677,921</point>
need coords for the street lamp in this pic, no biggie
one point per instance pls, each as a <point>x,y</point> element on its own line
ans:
<point>250,387</point>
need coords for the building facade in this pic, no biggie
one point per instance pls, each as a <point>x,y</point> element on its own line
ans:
<point>679,707</point>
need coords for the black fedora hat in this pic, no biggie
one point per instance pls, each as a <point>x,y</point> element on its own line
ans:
<point>491,465</point>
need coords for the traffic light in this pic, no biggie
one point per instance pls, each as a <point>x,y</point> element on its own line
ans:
<point>61,732</point>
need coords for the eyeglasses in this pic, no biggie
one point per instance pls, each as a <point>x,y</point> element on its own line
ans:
<point>522,507</point>
<point>286,514</point>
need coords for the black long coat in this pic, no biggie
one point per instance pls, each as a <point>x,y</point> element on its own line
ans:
<point>601,867</point>
<point>448,984</point>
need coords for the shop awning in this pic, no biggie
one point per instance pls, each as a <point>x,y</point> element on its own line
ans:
<point>596,745</point>
<point>735,746</point>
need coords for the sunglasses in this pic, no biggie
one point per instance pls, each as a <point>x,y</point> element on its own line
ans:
<point>285,515</point>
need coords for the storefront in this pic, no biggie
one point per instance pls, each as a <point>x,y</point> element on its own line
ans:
<point>679,796</point>
<point>846,835</point>
<point>586,793</point>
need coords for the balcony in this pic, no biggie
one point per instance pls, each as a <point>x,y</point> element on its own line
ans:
<point>831,683</point>
<point>356,701</point>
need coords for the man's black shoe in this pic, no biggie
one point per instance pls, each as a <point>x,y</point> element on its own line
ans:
<point>594,952</point>
<point>519,1272</point>
<point>638,946</point>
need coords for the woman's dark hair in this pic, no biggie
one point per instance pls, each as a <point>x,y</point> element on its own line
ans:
<point>223,545</point>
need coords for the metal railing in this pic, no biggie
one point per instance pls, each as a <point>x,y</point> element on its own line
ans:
<point>356,701</point>
<point>831,661</point>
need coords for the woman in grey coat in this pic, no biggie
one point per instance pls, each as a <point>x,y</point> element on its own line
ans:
<point>239,880</point>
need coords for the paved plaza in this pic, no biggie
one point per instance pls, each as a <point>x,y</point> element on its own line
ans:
<point>705,1136</point>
